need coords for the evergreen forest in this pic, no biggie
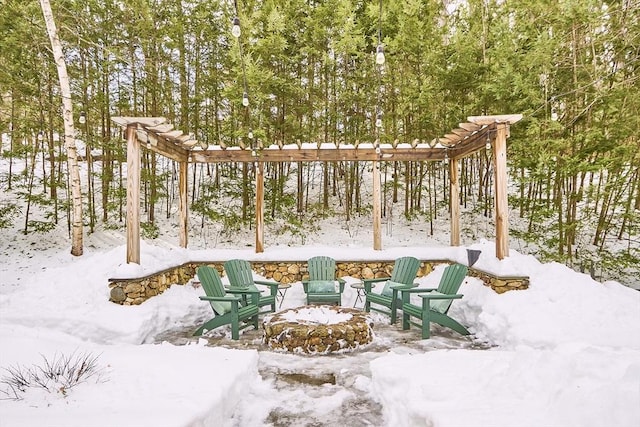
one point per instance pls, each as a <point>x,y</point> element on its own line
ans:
<point>306,71</point>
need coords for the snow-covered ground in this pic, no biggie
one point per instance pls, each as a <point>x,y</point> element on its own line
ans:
<point>565,352</point>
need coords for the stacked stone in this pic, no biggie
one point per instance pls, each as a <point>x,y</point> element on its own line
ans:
<point>312,338</point>
<point>137,290</point>
<point>501,284</point>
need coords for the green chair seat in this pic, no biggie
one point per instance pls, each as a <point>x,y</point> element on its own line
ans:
<point>321,287</point>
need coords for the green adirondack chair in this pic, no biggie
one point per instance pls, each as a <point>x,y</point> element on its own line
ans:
<point>321,286</point>
<point>435,303</point>
<point>240,277</point>
<point>227,308</point>
<point>402,277</point>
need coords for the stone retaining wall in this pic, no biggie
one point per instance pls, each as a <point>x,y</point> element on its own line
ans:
<point>135,291</point>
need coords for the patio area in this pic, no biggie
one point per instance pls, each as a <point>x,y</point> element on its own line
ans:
<point>301,380</point>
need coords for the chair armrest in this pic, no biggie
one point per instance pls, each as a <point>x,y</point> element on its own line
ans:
<point>368,282</point>
<point>405,294</point>
<point>267,283</point>
<point>403,287</point>
<point>375,280</point>
<point>442,296</point>
<point>418,290</point>
<point>225,298</point>
<point>427,298</point>
<point>243,291</point>
<point>341,283</point>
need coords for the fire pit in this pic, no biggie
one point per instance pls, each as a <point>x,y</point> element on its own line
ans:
<point>318,329</point>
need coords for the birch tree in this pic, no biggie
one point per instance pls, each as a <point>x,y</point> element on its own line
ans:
<point>69,131</point>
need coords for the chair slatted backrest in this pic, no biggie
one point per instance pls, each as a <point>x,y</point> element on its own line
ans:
<point>239,273</point>
<point>452,279</point>
<point>212,285</point>
<point>322,268</point>
<point>450,282</point>
<point>405,270</point>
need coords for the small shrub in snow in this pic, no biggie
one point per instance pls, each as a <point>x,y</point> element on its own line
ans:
<point>58,375</point>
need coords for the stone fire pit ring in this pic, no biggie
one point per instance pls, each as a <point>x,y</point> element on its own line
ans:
<point>317,329</point>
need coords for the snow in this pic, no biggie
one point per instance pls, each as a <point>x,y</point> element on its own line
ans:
<point>565,352</point>
<point>319,315</point>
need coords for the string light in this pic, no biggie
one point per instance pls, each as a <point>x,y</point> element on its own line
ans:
<point>380,59</point>
<point>235,29</point>
<point>83,118</point>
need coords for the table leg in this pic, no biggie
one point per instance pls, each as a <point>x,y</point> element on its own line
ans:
<point>359,295</point>
<point>281,294</point>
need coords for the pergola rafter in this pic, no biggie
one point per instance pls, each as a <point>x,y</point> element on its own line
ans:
<point>155,134</point>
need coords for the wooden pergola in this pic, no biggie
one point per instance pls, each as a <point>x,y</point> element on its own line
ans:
<point>155,134</point>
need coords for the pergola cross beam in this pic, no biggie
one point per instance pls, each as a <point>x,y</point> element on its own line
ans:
<point>155,134</point>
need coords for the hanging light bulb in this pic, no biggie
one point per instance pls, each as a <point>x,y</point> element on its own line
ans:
<point>380,59</point>
<point>83,118</point>
<point>235,29</point>
<point>245,99</point>
<point>379,120</point>
<point>488,144</point>
<point>250,134</point>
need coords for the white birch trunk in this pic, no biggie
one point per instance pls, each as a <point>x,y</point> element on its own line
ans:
<point>69,131</point>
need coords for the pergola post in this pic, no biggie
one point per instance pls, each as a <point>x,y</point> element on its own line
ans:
<point>260,207</point>
<point>377,211</point>
<point>183,207</point>
<point>133,195</point>
<point>502,123</point>
<point>500,190</point>
<point>454,201</point>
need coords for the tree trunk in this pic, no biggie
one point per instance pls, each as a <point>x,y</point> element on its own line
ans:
<point>69,131</point>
